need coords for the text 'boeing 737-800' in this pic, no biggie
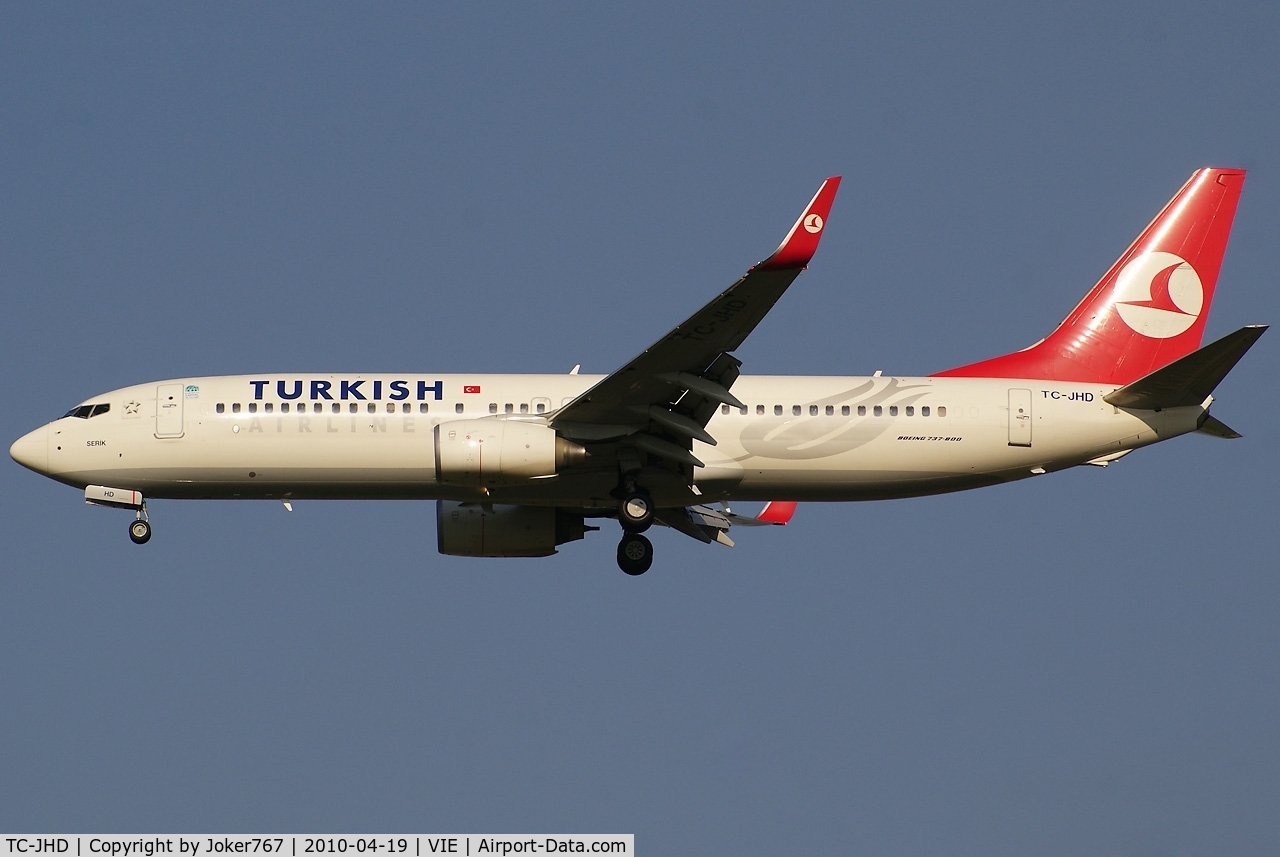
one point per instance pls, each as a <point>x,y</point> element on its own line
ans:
<point>518,464</point>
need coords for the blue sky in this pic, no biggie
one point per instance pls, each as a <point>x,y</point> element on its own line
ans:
<point>1085,663</point>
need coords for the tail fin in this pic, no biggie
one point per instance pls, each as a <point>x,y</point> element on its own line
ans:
<point>1150,308</point>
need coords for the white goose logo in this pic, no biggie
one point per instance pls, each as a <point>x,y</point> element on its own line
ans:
<point>1159,295</point>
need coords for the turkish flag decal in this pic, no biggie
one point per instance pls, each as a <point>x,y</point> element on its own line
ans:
<point>470,388</point>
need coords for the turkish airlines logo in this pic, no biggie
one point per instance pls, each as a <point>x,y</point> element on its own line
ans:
<point>813,224</point>
<point>1159,295</point>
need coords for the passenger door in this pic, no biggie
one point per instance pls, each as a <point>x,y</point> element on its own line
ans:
<point>169,410</point>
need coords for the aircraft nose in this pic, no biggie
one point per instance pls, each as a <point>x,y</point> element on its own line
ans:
<point>32,450</point>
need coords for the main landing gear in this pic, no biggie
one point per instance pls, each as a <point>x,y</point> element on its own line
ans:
<point>635,554</point>
<point>635,510</point>
<point>635,513</point>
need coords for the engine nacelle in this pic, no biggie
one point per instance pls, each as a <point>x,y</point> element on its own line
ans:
<point>471,529</point>
<point>498,452</point>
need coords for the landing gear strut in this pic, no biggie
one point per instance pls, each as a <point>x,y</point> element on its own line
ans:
<point>140,529</point>
<point>635,554</point>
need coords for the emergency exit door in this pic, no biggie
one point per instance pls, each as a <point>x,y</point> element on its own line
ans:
<point>1019,418</point>
<point>169,410</point>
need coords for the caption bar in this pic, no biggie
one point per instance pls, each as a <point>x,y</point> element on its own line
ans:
<point>304,845</point>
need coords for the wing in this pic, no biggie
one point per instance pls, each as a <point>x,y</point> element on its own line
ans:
<point>665,397</point>
<point>712,525</point>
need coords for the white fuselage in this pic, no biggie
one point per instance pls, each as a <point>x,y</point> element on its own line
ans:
<point>800,438</point>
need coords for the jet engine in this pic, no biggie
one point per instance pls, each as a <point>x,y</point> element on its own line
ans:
<point>473,529</point>
<point>500,452</point>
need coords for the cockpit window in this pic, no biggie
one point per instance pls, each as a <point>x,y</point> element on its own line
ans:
<point>85,411</point>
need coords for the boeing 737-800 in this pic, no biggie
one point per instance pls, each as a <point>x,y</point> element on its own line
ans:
<point>518,464</point>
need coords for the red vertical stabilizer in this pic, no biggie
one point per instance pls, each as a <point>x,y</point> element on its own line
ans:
<point>1150,308</point>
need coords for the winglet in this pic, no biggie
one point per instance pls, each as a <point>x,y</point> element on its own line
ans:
<point>778,511</point>
<point>802,241</point>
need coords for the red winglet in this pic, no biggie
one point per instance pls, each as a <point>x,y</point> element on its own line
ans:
<point>778,511</point>
<point>802,241</point>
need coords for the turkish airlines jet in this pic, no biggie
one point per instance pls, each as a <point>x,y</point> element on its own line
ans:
<point>519,463</point>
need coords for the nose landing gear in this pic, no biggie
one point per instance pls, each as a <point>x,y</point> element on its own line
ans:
<point>140,528</point>
<point>140,532</point>
<point>123,498</point>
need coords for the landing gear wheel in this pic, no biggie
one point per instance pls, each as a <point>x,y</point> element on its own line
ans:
<point>635,554</point>
<point>635,511</point>
<point>140,532</point>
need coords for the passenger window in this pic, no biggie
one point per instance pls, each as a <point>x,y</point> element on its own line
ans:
<point>509,408</point>
<point>268,407</point>
<point>724,409</point>
<point>831,410</point>
<point>911,411</point>
<point>235,408</point>
<point>406,408</point>
<point>524,407</point>
<point>542,408</point>
<point>743,410</point>
<point>315,407</point>
<point>795,410</point>
<point>221,408</point>
<point>372,407</point>
<point>813,410</point>
<point>353,407</point>
<point>878,411</point>
<point>777,410</point>
<point>457,409</point>
<point>893,410</point>
<point>422,407</point>
<point>391,407</point>
<point>862,410</point>
<point>493,407</point>
<point>942,410</point>
<point>253,407</point>
<point>844,410</point>
<point>284,407</point>
<point>336,408</point>
<point>760,410</point>
<point>924,410</point>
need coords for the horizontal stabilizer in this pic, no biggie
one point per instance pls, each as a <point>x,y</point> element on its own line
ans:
<point>1216,428</point>
<point>1188,381</point>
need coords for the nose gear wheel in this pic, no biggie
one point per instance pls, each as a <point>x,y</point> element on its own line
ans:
<point>140,532</point>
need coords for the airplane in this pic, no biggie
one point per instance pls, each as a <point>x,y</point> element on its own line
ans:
<point>518,464</point>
